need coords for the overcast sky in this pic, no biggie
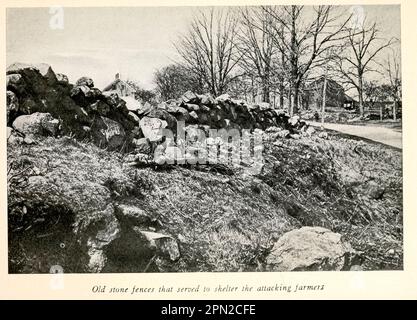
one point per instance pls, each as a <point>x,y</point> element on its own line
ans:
<point>135,41</point>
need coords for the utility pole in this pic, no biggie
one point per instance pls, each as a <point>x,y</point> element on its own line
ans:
<point>323,106</point>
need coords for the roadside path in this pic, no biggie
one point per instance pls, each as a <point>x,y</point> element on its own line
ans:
<point>379,134</point>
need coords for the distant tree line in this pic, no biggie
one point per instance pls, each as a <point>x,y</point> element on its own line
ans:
<point>274,52</point>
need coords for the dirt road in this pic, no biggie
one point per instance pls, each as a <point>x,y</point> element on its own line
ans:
<point>383,135</point>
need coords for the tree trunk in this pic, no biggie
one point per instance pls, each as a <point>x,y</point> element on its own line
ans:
<point>281,81</point>
<point>295,99</point>
<point>281,94</point>
<point>266,84</point>
<point>294,66</point>
<point>265,91</point>
<point>394,111</point>
<point>214,90</point>
<point>323,107</point>
<point>360,93</point>
<point>253,91</point>
<point>361,106</point>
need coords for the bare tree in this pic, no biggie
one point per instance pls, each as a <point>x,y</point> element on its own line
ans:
<point>375,94</point>
<point>372,93</point>
<point>209,48</point>
<point>358,58</point>
<point>174,80</point>
<point>303,36</point>
<point>257,47</point>
<point>393,69</point>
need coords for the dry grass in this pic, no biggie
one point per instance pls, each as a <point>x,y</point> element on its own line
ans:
<point>323,181</point>
<point>223,220</point>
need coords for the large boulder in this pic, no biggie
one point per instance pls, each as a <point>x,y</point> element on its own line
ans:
<point>145,109</point>
<point>85,81</point>
<point>19,67</point>
<point>12,104</point>
<point>224,98</point>
<point>111,98</point>
<point>13,136</point>
<point>309,249</point>
<point>264,106</point>
<point>62,78</point>
<point>204,108</point>
<point>46,71</point>
<point>163,115</point>
<point>98,241</point>
<point>180,113</point>
<point>99,107</point>
<point>134,117</point>
<point>132,215</point>
<point>151,128</point>
<point>206,99</point>
<point>15,83</point>
<point>132,104</point>
<point>37,124</point>
<point>117,104</point>
<point>142,145</point>
<point>192,107</point>
<point>323,135</point>
<point>165,245</point>
<point>85,95</point>
<point>190,97</point>
<point>294,121</point>
<point>108,133</point>
<point>194,115</point>
<point>139,250</point>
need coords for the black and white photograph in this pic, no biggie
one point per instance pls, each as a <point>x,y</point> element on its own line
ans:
<point>190,139</point>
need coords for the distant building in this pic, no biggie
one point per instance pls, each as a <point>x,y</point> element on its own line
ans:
<point>310,95</point>
<point>122,88</point>
<point>350,103</point>
<point>335,95</point>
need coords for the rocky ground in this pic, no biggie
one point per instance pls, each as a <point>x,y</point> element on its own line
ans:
<point>91,198</point>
